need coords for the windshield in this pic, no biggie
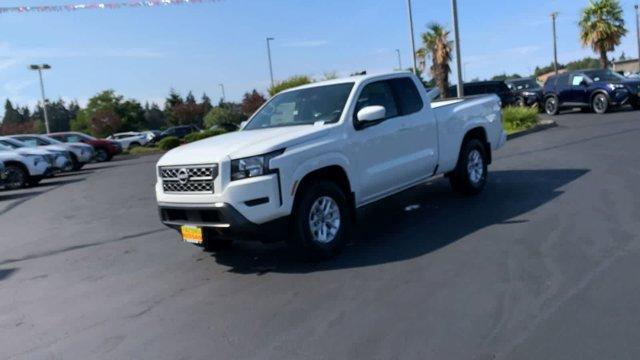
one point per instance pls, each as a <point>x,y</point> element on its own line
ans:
<point>303,107</point>
<point>5,148</point>
<point>12,143</point>
<point>50,140</point>
<point>603,75</point>
<point>524,84</point>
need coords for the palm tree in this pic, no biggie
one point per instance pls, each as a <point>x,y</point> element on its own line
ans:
<point>437,46</point>
<point>602,27</point>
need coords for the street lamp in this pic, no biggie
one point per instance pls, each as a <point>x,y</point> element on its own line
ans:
<point>223,95</point>
<point>399,59</point>
<point>39,68</point>
<point>638,33</point>
<point>554,16</point>
<point>269,39</point>
<point>413,41</point>
<point>456,35</point>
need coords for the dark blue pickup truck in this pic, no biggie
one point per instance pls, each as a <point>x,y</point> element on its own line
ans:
<point>598,90</point>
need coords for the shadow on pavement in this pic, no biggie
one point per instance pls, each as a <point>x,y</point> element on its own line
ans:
<point>6,273</point>
<point>416,222</point>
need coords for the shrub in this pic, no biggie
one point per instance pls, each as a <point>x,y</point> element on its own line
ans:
<point>202,135</point>
<point>144,150</point>
<point>519,118</point>
<point>169,143</point>
<point>289,83</point>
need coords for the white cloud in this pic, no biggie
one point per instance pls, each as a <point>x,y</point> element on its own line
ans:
<point>306,43</point>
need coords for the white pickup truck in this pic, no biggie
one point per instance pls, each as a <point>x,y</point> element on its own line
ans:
<point>312,155</point>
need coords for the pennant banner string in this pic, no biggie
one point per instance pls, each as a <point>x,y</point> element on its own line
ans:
<point>113,5</point>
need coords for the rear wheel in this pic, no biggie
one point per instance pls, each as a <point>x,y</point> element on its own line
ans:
<point>34,180</point>
<point>75,164</point>
<point>16,177</point>
<point>600,104</point>
<point>321,221</point>
<point>470,176</point>
<point>551,105</point>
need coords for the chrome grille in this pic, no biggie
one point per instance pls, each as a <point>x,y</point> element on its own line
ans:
<point>188,179</point>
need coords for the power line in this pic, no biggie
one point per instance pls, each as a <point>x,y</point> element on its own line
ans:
<point>110,5</point>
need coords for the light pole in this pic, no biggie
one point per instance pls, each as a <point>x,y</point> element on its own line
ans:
<point>456,35</point>
<point>638,33</point>
<point>39,68</point>
<point>413,41</point>
<point>269,39</point>
<point>223,95</point>
<point>554,15</point>
<point>464,73</point>
<point>399,59</point>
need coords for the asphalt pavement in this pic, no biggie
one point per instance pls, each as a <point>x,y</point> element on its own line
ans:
<point>542,265</point>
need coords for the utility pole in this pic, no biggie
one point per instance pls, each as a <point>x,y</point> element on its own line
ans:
<point>413,41</point>
<point>399,60</point>
<point>269,39</point>
<point>224,97</point>
<point>554,15</point>
<point>456,34</point>
<point>39,68</point>
<point>638,33</point>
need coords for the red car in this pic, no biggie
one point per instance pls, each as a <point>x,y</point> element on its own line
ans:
<point>105,149</point>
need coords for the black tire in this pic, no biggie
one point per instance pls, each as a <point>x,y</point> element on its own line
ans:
<point>635,104</point>
<point>17,177</point>
<point>600,104</point>
<point>316,244</point>
<point>551,106</point>
<point>102,155</point>
<point>470,176</point>
<point>75,164</point>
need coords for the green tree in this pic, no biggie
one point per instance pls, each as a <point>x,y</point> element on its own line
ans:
<point>436,45</point>
<point>174,99</point>
<point>154,117</point>
<point>297,80</point>
<point>602,27</point>
<point>224,115</point>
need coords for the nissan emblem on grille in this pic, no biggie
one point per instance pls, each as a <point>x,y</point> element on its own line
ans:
<point>189,179</point>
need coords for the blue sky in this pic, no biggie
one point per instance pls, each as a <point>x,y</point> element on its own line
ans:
<point>142,53</point>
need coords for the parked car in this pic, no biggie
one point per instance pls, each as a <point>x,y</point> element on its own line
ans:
<point>598,90</point>
<point>177,131</point>
<point>60,159</point>
<point>81,154</point>
<point>499,88</point>
<point>23,170</point>
<point>105,150</point>
<point>151,134</point>
<point>3,175</point>
<point>527,91</point>
<point>128,140</point>
<point>314,154</point>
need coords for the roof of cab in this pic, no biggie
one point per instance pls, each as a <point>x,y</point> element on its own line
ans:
<point>356,79</point>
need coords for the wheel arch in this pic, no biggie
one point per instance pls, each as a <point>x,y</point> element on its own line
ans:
<point>478,133</point>
<point>19,165</point>
<point>334,173</point>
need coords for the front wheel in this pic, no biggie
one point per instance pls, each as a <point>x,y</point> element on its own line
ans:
<point>551,105</point>
<point>600,104</point>
<point>16,177</point>
<point>102,155</point>
<point>470,176</point>
<point>321,220</point>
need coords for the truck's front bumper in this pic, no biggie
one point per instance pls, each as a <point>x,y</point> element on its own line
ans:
<point>222,219</point>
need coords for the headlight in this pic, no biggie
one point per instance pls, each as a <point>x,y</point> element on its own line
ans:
<point>252,166</point>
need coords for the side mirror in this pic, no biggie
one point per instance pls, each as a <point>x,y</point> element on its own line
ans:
<point>372,113</point>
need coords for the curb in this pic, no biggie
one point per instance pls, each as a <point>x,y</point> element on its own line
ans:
<point>542,125</point>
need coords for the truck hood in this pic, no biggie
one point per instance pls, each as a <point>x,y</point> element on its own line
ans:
<point>241,144</point>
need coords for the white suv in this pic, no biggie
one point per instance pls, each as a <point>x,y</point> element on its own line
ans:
<point>81,154</point>
<point>23,170</point>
